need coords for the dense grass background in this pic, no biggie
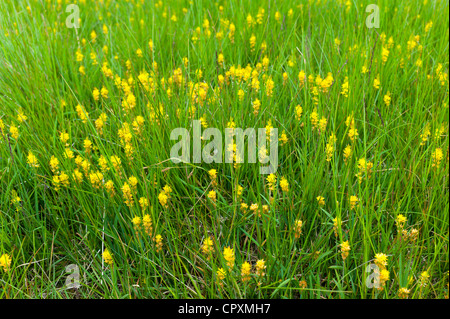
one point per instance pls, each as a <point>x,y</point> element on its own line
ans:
<point>48,229</point>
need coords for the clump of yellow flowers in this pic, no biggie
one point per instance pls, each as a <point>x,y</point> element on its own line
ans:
<point>207,247</point>
<point>164,196</point>
<point>5,262</point>
<point>107,257</point>
<point>246,269</point>
<point>345,249</point>
<point>228,255</point>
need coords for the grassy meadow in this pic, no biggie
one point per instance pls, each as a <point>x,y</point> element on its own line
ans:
<point>358,206</point>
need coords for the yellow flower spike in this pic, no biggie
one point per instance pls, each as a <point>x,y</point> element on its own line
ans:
<point>5,262</point>
<point>107,257</point>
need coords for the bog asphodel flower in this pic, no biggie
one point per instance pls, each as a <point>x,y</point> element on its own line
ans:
<point>271,181</point>
<point>212,196</point>
<point>320,200</point>
<point>158,243</point>
<point>246,269</point>
<point>164,196</point>
<point>354,200</point>
<point>32,160</point>
<point>437,157</point>
<point>400,221</point>
<point>5,262</point>
<point>147,223</point>
<point>298,224</point>
<point>423,279</point>
<point>336,225</point>
<point>284,184</point>
<point>221,273</point>
<point>136,221</point>
<point>345,248</point>
<point>364,168</point>
<point>107,257</point>
<point>381,260</point>
<point>207,247</point>
<point>228,254</point>
<point>127,194</point>
<point>403,293</point>
<point>143,202</point>
<point>260,267</point>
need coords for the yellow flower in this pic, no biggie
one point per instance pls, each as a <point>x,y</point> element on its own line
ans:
<point>384,54</point>
<point>244,207</point>
<point>246,270</point>
<point>283,138</point>
<point>353,201</point>
<point>82,114</point>
<point>260,267</point>
<point>437,157</point>
<point>147,222</point>
<point>79,56</point>
<point>323,124</point>
<point>96,94</point>
<point>424,277</point>
<point>403,292</point>
<point>96,179</point>
<point>127,195</point>
<point>298,228</point>
<point>32,160</point>
<point>54,164</point>
<point>107,257</point>
<point>381,260</point>
<point>163,199</point>
<point>364,167</point>
<point>336,225</point>
<point>93,36</point>
<point>345,87</point>
<point>284,184</point>
<point>314,117</point>
<point>207,247</point>
<point>158,243</point>
<point>150,45</point>
<point>271,181</point>
<point>68,153</point>
<point>144,203</point>
<point>384,277</point>
<point>241,94</point>
<point>376,83</point>
<point>212,196</point>
<point>212,173</point>
<point>87,145</point>
<point>228,254</point>
<point>104,92</point>
<point>133,183</point>
<point>5,262</point>
<point>320,200</point>
<point>298,112</point>
<point>221,274</point>
<point>136,222</point>
<point>400,221</point>
<point>387,99</point>
<point>347,152</point>
<point>345,248</point>
<point>20,116</point>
